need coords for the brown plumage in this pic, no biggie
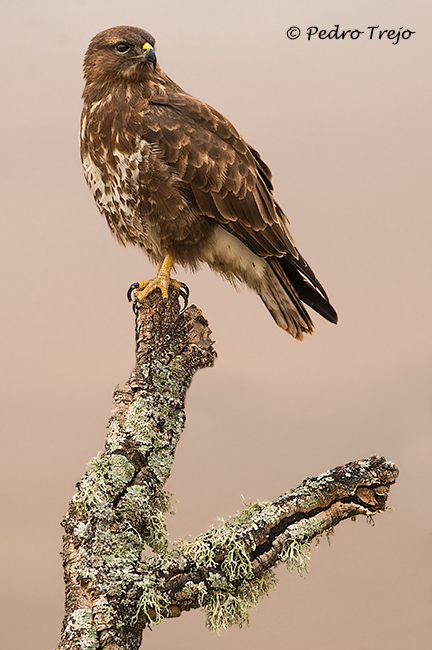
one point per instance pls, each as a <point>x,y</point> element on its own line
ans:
<point>173,176</point>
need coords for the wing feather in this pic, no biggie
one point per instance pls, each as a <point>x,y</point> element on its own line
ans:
<point>221,176</point>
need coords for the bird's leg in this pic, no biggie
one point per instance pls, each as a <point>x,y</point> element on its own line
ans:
<point>162,281</point>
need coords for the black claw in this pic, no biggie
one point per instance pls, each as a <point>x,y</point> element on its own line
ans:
<point>184,293</point>
<point>135,307</point>
<point>184,290</point>
<point>131,289</point>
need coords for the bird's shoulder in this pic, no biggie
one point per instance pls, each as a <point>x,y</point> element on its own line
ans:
<point>196,113</point>
<point>199,141</point>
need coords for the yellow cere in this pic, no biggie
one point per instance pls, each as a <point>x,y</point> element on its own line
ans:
<point>147,47</point>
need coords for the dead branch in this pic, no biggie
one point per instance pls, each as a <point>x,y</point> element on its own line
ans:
<point>112,591</point>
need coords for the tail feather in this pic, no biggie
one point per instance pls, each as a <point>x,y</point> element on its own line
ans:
<point>287,284</point>
<point>284,305</point>
<point>309,291</point>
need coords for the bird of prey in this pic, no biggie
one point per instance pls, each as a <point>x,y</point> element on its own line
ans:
<point>174,177</point>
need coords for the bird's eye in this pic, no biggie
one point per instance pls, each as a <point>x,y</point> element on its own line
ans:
<point>122,47</point>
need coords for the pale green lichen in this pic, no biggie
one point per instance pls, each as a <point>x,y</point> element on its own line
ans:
<point>119,519</point>
<point>155,424</point>
<point>227,606</point>
<point>157,537</point>
<point>82,529</point>
<point>218,582</point>
<point>204,550</point>
<point>152,605</point>
<point>310,502</point>
<point>198,552</point>
<point>136,506</point>
<point>306,493</point>
<point>165,381</point>
<point>237,564</point>
<point>251,510</point>
<point>112,559</point>
<point>115,436</point>
<point>80,627</point>
<point>160,464</point>
<point>102,607</point>
<point>296,548</point>
<point>295,554</point>
<point>106,477</point>
<point>233,589</point>
<point>193,591</point>
<point>140,424</point>
<point>230,592</point>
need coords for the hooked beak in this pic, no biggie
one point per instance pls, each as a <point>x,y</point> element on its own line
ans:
<point>150,57</point>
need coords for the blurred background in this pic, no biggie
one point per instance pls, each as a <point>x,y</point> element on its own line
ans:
<point>345,127</point>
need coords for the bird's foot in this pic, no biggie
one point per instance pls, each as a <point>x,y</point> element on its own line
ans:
<point>143,289</point>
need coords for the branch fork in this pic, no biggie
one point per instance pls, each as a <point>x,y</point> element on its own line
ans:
<point>112,590</point>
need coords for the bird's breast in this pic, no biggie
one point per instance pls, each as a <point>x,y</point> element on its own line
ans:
<point>115,185</point>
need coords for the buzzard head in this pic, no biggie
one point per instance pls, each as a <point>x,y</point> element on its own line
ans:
<point>126,52</point>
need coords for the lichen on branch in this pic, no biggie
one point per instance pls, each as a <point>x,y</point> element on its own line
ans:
<point>113,588</point>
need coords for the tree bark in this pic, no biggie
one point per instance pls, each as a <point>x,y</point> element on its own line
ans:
<point>112,590</point>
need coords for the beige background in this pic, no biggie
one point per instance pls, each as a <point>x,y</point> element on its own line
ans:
<point>345,127</point>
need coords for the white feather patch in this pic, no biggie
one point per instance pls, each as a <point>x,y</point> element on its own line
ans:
<point>230,256</point>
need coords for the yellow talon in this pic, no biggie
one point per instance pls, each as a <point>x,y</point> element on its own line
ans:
<point>146,287</point>
<point>162,281</point>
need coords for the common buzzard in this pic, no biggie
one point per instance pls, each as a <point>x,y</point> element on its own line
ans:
<point>173,176</point>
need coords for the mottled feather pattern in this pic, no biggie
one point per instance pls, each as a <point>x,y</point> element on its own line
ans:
<point>173,176</point>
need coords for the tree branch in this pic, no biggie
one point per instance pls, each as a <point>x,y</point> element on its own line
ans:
<point>119,508</point>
